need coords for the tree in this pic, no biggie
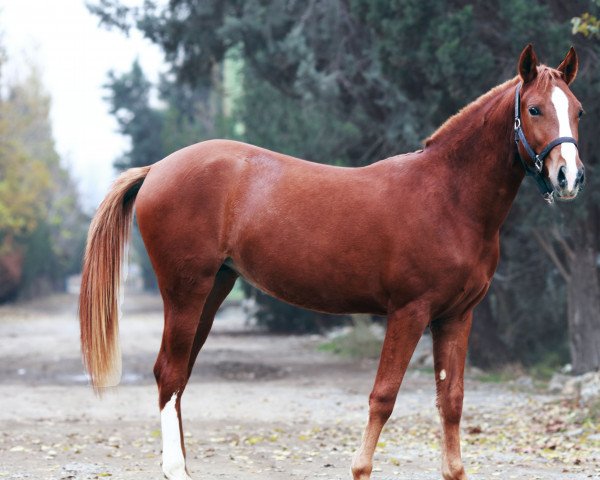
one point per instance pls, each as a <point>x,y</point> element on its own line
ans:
<point>42,227</point>
<point>129,100</point>
<point>587,24</point>
<point>21,181</point>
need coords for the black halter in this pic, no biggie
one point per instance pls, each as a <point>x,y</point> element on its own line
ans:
<point>536,172</point>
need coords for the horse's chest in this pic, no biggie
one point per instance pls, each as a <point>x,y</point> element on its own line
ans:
<point>472,271</point>
<point>465,281</point>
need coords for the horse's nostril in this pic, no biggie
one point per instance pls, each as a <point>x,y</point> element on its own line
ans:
<point>562,177</point>
<point>581,178</point>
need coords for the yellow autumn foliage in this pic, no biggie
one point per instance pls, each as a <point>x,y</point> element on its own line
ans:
<point>27,157</point>
<point>24,182</point>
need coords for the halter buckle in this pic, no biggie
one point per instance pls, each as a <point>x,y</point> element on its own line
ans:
<point>548,197</point>
<point>517,123</point>
<point>539,164</point>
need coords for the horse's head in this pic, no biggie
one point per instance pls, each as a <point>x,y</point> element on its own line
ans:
<point>546,125</point>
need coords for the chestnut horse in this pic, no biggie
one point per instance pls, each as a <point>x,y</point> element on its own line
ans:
<point>415,237</point>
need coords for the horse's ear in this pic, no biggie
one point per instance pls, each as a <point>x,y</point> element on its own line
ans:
<point>569,66</point>
<point>528,63</point>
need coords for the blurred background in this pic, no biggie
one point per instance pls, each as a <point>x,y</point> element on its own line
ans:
<point>88,89</point>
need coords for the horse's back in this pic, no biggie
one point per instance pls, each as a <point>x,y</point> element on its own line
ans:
<point>212,172</point>
<point>240,176</point>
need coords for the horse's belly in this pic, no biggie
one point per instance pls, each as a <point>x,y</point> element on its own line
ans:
<point>323,290</point>
<point>318,250</point>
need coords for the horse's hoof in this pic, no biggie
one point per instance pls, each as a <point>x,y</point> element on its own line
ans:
<point>176,473</point>
<point>455,474</point>
<point>361,473</point>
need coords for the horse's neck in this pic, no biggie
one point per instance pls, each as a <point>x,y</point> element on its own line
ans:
<point>479,152</point>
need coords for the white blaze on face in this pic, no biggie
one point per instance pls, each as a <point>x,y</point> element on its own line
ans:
<point>567,150</point>
<point>173,464</point>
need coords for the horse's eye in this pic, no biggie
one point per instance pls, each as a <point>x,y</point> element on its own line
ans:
<point>534,111</point>
<point>580,113</point>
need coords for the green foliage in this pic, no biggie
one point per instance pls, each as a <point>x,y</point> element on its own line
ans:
<point>359,342</point>
<point>184,115</point>
<point>40,267</point>
<point>548,364</point>
<point>300,127</point>
<point>22,179</point>
<point>503,375</point>
<point>588,24</point>
<point>129,99</point>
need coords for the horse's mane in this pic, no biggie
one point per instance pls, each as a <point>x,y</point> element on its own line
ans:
<point>546,75</point>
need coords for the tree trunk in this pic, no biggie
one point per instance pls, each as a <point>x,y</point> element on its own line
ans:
<point>584,307</point>
<point>11,268</point>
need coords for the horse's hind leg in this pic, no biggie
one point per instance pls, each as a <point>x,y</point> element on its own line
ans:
<point>450,338</point>
<point>224,282</point>
<point>184,297</point>
<point>189,314</point>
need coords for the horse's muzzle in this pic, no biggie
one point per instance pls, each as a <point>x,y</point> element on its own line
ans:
<point>563,192</point>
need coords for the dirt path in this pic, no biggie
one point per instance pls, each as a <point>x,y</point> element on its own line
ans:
<point>258,407</point>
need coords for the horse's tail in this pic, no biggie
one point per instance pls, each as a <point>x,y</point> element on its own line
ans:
<point>101,278</point>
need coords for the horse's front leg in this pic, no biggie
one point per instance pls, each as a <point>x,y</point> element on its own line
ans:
<point>404,329</point>
<point>450,338</point>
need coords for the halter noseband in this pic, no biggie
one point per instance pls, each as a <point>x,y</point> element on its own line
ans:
<point>536,172</point>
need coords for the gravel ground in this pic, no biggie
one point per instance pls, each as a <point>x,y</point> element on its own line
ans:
<point>257,407</point>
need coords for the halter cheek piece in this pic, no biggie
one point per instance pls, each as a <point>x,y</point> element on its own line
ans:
<point>536,172</point>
